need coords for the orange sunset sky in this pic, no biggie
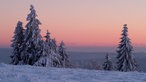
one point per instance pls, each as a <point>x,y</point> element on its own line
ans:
<point>78,22</point>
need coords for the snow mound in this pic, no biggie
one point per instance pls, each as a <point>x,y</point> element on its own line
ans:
<point>10,73</point>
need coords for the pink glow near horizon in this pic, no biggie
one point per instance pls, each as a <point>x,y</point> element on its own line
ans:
<point>78,22</point>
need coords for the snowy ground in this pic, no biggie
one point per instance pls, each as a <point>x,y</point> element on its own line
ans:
<point>10,73</point>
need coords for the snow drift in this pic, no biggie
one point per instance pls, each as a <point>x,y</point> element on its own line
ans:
<point>11,73</point>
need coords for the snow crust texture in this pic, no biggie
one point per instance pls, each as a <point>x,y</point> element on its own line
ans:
<point>10,73</point>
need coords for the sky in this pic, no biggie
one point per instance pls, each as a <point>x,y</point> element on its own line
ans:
<point>79,23</point>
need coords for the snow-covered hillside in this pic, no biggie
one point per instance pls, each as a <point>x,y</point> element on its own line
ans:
<point>10,73</point>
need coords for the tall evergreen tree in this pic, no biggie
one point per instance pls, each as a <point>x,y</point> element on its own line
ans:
<point>64,57</point>
<point>50,56</point>
<point>50,49</point>
<point>32,47</point>
<point>108,65</point>
<point>54,54</point>
<point>16,43</point>
<point>126,61</point>
<point>46,58</point>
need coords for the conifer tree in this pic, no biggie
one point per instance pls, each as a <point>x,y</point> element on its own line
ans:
<point>16,43</point>
<point>64,57</point>
<point>46,59</point>
<point>108,65</point>
<point>54,54</point>
<point>51,52</point>
<point>32,46</point>
<point>50,56</point>
<point>126,61</point>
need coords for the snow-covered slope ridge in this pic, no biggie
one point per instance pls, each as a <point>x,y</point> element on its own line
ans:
<point>10,73</point>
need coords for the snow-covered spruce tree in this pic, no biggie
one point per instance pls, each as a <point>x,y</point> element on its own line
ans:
<point>46,57</point>
<point>32,46</point>
<point>50,56</point>
<point>64,57</point>
<point>54,54</point>
<point>126,61</point>
<point>108,65</point>
<point>16,43</point>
